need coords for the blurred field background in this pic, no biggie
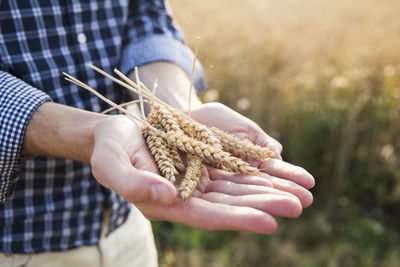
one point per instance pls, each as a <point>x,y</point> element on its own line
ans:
<point>323,77</point>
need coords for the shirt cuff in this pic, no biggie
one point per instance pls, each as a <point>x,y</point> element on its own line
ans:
<point>160,47</point>
<point>18,102</point>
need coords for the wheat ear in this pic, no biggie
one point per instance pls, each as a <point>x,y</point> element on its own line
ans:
<point>165,118</point>
<point>241,147</point>
<point>192,176</point>
<point>209,154</point>
<point>192,128</point>
<point>160,154</point>
<point>171,151</point>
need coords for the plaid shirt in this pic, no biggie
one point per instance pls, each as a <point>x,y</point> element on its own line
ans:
<point>49,204</point>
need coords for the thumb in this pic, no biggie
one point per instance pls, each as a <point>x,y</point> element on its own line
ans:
<point>142,186</point>
<point>147,186</point>
<point>135,178</point>
<point>142,159</point>
<point>121,161</point>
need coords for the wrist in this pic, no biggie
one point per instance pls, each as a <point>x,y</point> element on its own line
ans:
<point>117,129</point>
<point>173,84</point>
<point>60,131</point>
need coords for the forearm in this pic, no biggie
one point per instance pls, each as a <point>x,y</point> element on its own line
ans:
<point>173,84</point>
<point>60,131</point>
<point>65,132</point>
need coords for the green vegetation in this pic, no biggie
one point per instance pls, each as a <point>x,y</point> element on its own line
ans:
<point>322,77</point>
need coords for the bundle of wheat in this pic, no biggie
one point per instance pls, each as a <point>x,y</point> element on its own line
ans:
<point>170,133</point>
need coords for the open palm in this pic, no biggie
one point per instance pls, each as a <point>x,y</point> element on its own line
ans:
<point>224,201</point>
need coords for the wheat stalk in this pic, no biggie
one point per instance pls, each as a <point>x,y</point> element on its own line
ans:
<point>193,173</point>
<point>123,105</point>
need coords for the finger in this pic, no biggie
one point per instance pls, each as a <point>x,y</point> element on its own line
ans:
<point>233,189</point>
<point>263,139</point>
<point>284,170</point>
<point>143,186</point>
<point>112,167</point>
<point>305,196</point>
<point>276,205</point>
<point>243,127</point>
<point>207,216</point>
<point>124,137</point>
<point>300,192</point>
<point>216,174</point>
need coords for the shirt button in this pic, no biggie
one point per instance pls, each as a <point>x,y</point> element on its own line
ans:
<point>81,38</point>
<point>120,220</point>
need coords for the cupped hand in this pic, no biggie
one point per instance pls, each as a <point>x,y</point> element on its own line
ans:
<point>121,161</point>
<point>226,201</point>
<point>282,175</point>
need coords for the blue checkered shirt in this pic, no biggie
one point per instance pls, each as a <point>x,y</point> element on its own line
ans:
<point>49,204</point>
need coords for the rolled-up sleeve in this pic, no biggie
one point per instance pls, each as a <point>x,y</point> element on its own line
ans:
<point>152,36</point>
<point>18,102</point>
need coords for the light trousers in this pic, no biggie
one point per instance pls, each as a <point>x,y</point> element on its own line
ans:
<point>132,244</point>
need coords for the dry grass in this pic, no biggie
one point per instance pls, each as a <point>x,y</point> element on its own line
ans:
<point>323,78</point>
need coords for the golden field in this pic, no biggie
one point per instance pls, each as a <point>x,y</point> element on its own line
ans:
<point>322,77</point>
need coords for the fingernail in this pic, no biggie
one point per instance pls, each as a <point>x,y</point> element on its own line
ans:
<point>160,194</point>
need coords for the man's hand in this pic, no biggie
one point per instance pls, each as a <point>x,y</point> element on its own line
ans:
<point>235,202</point>
<point>122,162</point>
<point>282,175</point>
<point>225,201</point>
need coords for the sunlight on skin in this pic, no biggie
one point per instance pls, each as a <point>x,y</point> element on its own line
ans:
<point>223,205</point>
